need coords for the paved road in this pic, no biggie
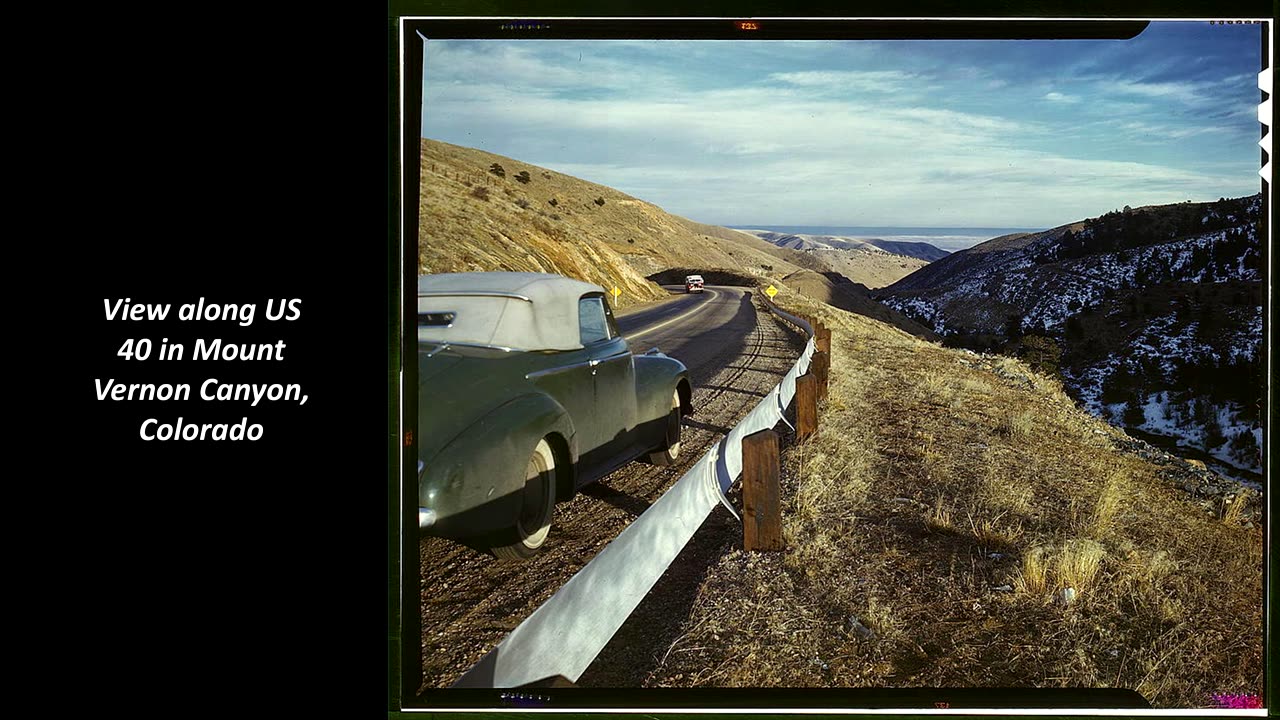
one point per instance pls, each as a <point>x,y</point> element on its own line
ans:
<point>735,353</point>
<point>705,331</point>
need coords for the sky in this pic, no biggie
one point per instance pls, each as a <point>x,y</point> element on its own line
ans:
<point>1011,133</point>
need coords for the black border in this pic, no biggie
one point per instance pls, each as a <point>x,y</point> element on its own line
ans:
<point>781,29</point>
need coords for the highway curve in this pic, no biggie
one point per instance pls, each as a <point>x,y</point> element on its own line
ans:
<point>735,351</point>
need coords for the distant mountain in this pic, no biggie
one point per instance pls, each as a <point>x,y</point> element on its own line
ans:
<point>1152,315</point>
<point>873,263</point>
<point>918,250</point>
<point>923,251</point>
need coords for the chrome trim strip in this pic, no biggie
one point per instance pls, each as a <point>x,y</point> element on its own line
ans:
<point>503,348</point>
<point>475,293</point>
<point>447,343</point>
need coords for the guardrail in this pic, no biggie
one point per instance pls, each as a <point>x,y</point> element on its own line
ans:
<point>566,633</point>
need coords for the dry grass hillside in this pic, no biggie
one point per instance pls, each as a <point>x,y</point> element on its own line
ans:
<point>851,297</point>
<point>935,523</point>
<point>535,219</point>
<point>873,269</point>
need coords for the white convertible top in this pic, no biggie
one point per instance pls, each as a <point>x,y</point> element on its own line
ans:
<point>516,310</point>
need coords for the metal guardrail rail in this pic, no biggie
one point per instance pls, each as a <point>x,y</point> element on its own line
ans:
<point>566,633</point>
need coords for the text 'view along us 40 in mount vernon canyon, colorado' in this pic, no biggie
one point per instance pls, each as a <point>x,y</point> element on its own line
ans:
<point>203,349</point>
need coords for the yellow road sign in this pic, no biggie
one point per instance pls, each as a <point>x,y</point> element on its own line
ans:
<point>771,291</point>
<point>616,292</point>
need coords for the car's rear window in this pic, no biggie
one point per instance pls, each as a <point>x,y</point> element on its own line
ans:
<point>436,319</point>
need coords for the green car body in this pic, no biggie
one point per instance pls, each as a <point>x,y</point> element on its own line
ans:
<point>485,407</point>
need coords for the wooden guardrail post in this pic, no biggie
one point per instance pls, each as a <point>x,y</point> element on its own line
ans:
<point>761,492</point>
<point>806,406</point>
<point>823,338</point>
<point>821,368</point>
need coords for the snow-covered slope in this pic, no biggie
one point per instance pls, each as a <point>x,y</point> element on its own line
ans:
<point>1151,310</point>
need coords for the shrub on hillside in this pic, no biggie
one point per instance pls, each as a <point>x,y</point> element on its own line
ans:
<point>523,177</point>
<point>1041,353</point>
<point>498,170</point>
<point>480,192</point>
<point>1213,436</point>
<point>600,201</point>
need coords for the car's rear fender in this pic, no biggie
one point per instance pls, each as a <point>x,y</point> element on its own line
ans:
<point>656,377</point>
<point>473,486</point>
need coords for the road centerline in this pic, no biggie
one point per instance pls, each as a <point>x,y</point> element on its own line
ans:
<point>675,319</point>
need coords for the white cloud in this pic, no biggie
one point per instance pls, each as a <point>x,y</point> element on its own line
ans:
<point>1162,133</point>
<point>1060,98</point>
<point>1192,93</point>
<point>1186,92</point>
<point>522,68</point>
<point>825,146</point>
<point>955,187</point>
<point>886,81</point>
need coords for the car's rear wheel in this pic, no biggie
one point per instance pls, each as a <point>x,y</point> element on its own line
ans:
<point>537,504</point>
<point>669,454</point>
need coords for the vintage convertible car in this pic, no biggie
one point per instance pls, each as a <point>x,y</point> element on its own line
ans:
<point>527,392</point>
